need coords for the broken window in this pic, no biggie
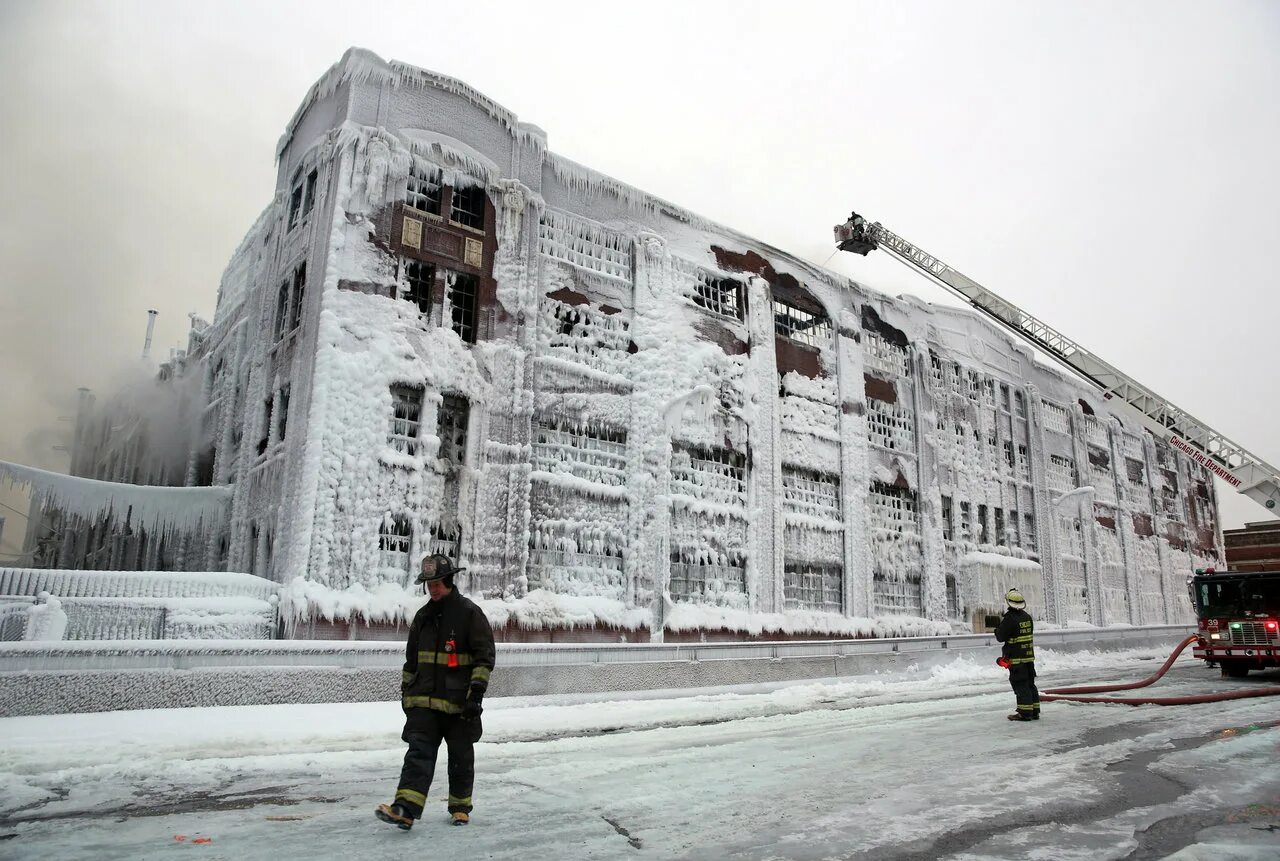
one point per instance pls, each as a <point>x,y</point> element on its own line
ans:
<point>1011,527</point>
<point>295,206</point>
<point>948,527</point>
<point>1137,471</point>
<point>718,295</point>
<point>966,522</point>
<point>1008,455</point>
<point>1019,405</point>
<point>460,298</point>
<point>1029,532</point>
<point>1062,473</point>
<point>698,579</point>
<point>596,453</point>
<point>395,536</point>
<point>881,354</point>
<point>423,192</point>
<point>467,207</point>
<point>406,415</point>
<point>999,515</point>
<point>813,586</point>
<point>585,244</point>
<point>309,192</point>
<point>807,491</point>
<point>984,534</point>
<point>282,309</point>
<point>1004,398</point>
<point>891,426</point>
<point>1024,462</point>
<point>295,298</point>
<point>446,540</point>
<point>717,474</point>
<point>455,412</point>
<point>266,427</point>
<point>1055,418</point>
<point>800,325</point>
<point>417,278</point>
<point>282,412</point>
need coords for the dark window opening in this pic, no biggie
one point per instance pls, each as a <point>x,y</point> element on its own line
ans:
<point>282,309</point>
<point>455,412</point>
<point>295,206</point>
<point>800,325</point>
<point>719,295</point>
<point>309,193</point>
<point>418,279</point>
<point>948,529</point>
<point>295,300</point>
<point>1000,536</point>
<point>460,294</point>
<point>282,414</point>
<point>266,427</point>
<point>467,208</point>
<point>424,189</point>
<point>984,534</point>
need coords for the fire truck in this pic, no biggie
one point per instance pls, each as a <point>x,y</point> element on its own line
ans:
<point>1239,619</point>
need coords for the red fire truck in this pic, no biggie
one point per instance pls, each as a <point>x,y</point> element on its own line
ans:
<point>1239,619</point>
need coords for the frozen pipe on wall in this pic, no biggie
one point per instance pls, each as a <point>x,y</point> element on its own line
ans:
<point>151,326</point>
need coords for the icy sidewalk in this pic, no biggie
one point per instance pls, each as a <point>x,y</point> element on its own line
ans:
<point>876,767</point>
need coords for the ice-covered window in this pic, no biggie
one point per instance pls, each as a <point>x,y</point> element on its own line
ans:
<point>593,453</point>
<point>984,533</point>
<point>1009,464</point>
<point>801,326</point>
<point>423,192</point>
<point>576,558</point>
<point>1136,471</point>
<point>406,416</point>
<point>309,192</point>
<point>935,370</point>
<point>719,295</point>
<point>446,539</point>
<point>282,309</point>
<point>1170,503</point>
<point>282,412</point>
<point>948,526</point>
<point>1055,418</point>
<point>395,537</point>
<point>467,207</point>
<point>703,580</point>
<point>966,522</point>
<point>882,355</point>
<point>295,295</point>
<point>999,524</point>
<point>295,206</point>
<point>813,586</point>
<point>1061,473</point>
<point>1019,405</point>
<point>1029,532</point>
<point>455,412</point>
<point>266,426</point>
<point>896,596</point>
<point>1024,463</point>
<point>416,279</point>
<point>715,474</point>
<point>809,492</point>
<point>1011,529</point>
<point>891,426</point>
<point>584,243</point>
<point>460,292</point>
<point>983,388</point>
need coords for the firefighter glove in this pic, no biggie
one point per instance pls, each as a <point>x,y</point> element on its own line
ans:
<point>471,709</point>
<point>1002,661</point>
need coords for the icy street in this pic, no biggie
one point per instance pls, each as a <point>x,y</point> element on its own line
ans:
<point>909,765</point>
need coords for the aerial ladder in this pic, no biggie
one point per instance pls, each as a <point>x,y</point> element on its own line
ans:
<point>1233,463</point>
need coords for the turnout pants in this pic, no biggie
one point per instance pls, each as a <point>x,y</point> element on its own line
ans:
<point>423,732</point>
<point>1022,678</point>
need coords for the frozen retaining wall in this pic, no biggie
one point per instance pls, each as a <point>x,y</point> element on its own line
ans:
<point>77,677</point>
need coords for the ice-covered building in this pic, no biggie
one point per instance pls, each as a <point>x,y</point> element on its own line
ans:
<point>623,418</point>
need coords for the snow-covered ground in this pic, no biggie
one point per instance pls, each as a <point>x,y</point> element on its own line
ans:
<point>919,764</point>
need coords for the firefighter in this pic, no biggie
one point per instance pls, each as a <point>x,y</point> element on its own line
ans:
<point>1016,631</point>
<point>448,659</point>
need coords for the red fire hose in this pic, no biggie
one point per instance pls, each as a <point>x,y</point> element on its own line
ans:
<point>1058,693</point>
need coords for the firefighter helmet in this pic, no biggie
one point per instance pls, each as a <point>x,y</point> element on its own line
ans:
<point>435,567</point>
<point>1015,600</point>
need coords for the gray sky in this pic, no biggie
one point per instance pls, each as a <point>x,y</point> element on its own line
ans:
<point>1109,166</point>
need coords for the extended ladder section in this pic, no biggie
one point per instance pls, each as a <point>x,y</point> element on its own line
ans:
<point>1233,463</point>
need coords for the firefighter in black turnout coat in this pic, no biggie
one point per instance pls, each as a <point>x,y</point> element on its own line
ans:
<point>448,659</point>
<point>1016,631</point>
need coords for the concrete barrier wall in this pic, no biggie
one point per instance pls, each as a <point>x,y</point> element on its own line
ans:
<point>54,678</point>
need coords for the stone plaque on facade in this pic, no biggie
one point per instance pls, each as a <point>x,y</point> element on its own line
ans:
<point>411,234</point>
<point>474,255</point>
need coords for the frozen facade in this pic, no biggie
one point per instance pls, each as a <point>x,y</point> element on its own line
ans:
<point>622,417</point>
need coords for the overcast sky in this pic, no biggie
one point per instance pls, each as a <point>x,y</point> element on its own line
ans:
<point>1111,167</point>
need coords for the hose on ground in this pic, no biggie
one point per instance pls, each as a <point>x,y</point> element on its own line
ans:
<point>1068,693</point>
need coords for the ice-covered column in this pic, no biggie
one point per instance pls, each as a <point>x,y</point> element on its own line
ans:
<point>648,564</point>
<point>760,379</point>
<point>855,466</point>
<point>1044,511</point>
<point>1090,552</point>
<point>1124,521</point>
<point>1160,525</point>
<point>934,577</point>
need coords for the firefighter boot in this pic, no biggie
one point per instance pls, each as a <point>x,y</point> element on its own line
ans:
<point>460,818</point>
<point>1021,716</point>
<point>395,815</point>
